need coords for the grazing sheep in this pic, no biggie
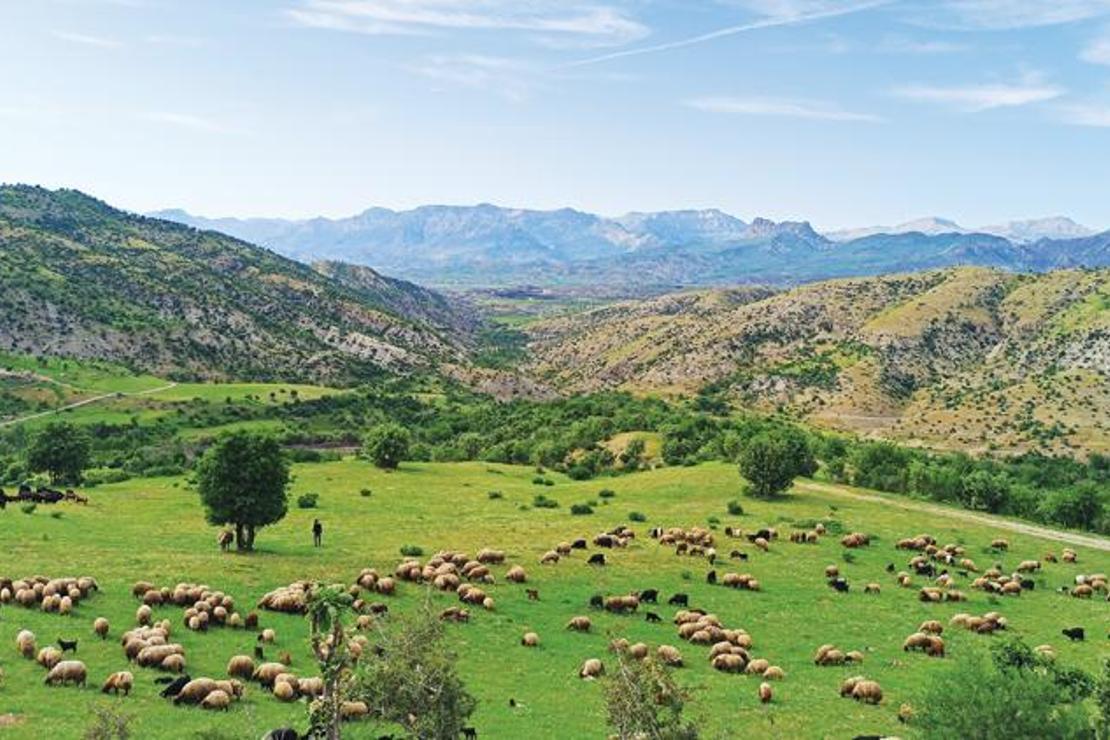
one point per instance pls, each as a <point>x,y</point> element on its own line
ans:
<point>353,710</point>
<point>848,685</point>
<point>1069,556</point>
<point>669,655</point>
<point>579,624</point>
<point>831,571</point>
<point>853,656</point>
<point>266,673</point>
<point>1000,544</point>
<point>241,666</point>
<point>312,686</point>
<point>144,615</point>
<point>267,636</point>
<point>68,671</point>
<point>530,639</point>
<point>774,673</point>
<point>757,666</point>
<point>765,692</point>
<point>1045,651</point>
<point>25,643</point>
<point>173,663</point>
<point>869,692</point>
<point>591,669</point>
<point>916,641</point>
<point>872,588</point>
<point>195,691</point>
<point>117,682</point>
<point>931,626</point>
<point>638,651</point>
<point>729,663</point>
<point>284,691</point>
<point>100,627</point>
<point>516,574</point>
<point>935,647</point>
<point>49,657</point>
<point>216,700</point>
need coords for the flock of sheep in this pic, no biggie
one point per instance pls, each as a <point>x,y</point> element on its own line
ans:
<point>729,649</point>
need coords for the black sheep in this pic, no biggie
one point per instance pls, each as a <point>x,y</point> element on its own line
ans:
<point>650,596</point>
<point>739,555</point>
<point>679,600</point>
<point>1075,634</point>
<point>596,559</point>
<point>175,686</point>
<point>840,584</point>
<point>597,601</point>
<point>653,617</point>
<point>578,544</point>
<point>711,577</point>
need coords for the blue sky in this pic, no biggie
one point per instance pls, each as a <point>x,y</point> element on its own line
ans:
<point>843,112</point>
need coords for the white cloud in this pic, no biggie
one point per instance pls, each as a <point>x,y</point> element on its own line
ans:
<point>1005,14</point>
<point>550,18</point>
<point>782,107</point>
<point>1098,51</point>
<point>1086,115</point>
<point>771,21</point>
<point>86,40</point>
<point>191,122</point>
<point>978,98</point>
<point>502,75</point>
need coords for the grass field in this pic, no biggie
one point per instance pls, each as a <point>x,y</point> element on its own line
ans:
<point>155,530</point>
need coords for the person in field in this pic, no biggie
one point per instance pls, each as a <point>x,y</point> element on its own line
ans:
<point>317,533</point>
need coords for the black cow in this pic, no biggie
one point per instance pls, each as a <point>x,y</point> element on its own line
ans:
<point>650,596</point>
<point>597,558</point>
<point>175,686</point>
<point>711,577</point>
<point>579,544</point>
<point>840,584</point>
<point>597,601</point>
<point>652,617</point>
<point>679,600</point>
<point>1075,634</point>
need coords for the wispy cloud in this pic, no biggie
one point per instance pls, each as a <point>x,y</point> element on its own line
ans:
<point>502,75</point>
<point>906,45</point>
<point>1098,51</point>
<point>191,122</point>
<point>547,18</point>
<point>782,107</point>
<point>1083,114</point>
<point>973,15</point>
<point>83,39</point>
<point>789,19</point>
<point>978,98</point>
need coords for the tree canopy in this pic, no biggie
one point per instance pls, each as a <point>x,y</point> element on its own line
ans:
<point>386,445</point>
<point>61,450</point>
<point>242,481</point>
<point>770,461</point>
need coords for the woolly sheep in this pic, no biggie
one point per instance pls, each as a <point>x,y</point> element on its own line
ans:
<point>283,691</point>
<point>765,692</point>
<point>579,624</point>
<point>117,682</point>
<point>68,671</point>
<point>49,657</point>
<point>216,700</point>
<point>869,692</point>
<point>267,672</point>
<point>669,655</point>
<point>774,673</point>
<point>241,666</point>
<point>195,691</point>
<point>639,651</point>
<point>312,686</point>
<point>591,669</point>
<point>100,627</point>
<point>530,639</point>
<point>173,663</point>
<point>25,643</point>
<point>352,710</point>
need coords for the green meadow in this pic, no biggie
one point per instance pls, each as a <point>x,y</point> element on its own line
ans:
<point>154,529</point>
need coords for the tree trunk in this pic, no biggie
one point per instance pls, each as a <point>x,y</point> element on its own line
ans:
<point>240,538</point>
<point>250,537</point>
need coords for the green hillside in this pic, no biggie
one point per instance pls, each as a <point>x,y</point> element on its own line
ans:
<point>81,279</point>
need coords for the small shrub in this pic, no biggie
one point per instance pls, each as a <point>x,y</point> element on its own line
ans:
<point>548,482</point>
<point>735,508</point>
<point>108,725</point>
<point>581,509</point>
<point>543,502</point>
<point>366,493</point>
<point>607,493</point>
<point>636,516</point>
<point>538,480</point>
<point>494,495</point>
<point>848,557</point>
<point>412,551</point>
<point>714,520</point>
<point>686,575</point>
<point>28,508</point>
<point>57,514</point>
<point>308,500</point>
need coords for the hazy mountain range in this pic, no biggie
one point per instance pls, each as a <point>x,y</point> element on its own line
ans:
<point>486,245</point>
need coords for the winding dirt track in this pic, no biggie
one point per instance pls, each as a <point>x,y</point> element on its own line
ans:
<point>85,402</point>
<point>1093,541</point>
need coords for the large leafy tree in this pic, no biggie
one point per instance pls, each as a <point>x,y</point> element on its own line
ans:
<point>386,445</point>
<point>242,481</point>
<point>770,462</point>
<point>61,450</point>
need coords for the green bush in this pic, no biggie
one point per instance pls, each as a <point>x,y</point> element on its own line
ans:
<point>543,502</point>
<point>607,493</point>
<point>28,508</point>
<point>735,508</point>
<point>308,500</point>
<point>494,495</point>
<point>636,516</point>
<point>366,493</point>
<point>581,509</point>
<point>412,551</point>
<point>57,514</point>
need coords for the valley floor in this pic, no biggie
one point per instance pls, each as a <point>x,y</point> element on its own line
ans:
<point>154,530</point>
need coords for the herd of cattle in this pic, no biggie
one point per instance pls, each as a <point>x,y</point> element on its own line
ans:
<point>41,496</point>
<point>729,649</point>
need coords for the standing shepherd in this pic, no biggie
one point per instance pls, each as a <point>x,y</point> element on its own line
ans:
<point>317,533</point>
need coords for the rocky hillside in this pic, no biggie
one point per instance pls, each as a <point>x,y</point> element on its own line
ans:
<point>81,279</point>
<point>969,358</point>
